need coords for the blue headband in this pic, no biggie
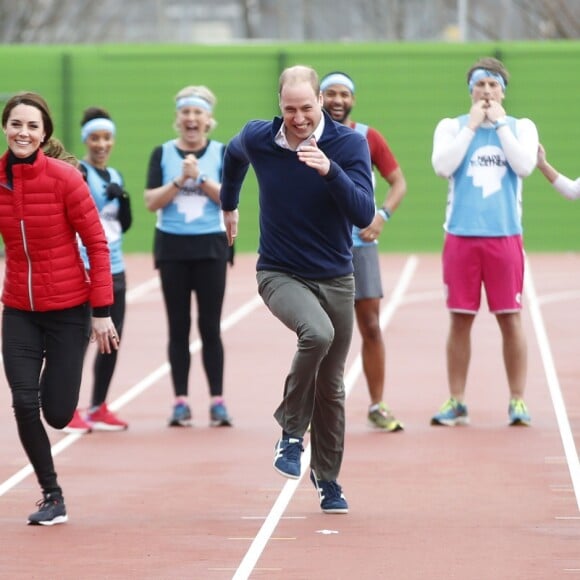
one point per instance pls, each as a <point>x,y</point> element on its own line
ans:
<point>100,124</point>
<point>193,101</point>
<point>337,79</point>
<point>482,73</point>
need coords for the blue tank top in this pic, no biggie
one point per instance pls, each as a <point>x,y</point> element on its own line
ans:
<point>191,212</point>
<point>484,197</point>
<point>108,214</point>
<point>356,239</point>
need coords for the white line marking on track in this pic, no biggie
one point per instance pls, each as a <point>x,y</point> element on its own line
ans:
<point>553,383</point>
<point>142,289</point>
<point>27,470</point>
<point>248,563</point>
<point>264,517</point>
<point>136,389</point>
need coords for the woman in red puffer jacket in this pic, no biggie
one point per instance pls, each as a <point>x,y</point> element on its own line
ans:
<point>51,306</point>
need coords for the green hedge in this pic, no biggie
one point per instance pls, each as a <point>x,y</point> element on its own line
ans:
<point>402,90</point>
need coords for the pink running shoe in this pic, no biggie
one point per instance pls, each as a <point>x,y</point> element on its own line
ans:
<point>77,425</point>
<point>105,420</point>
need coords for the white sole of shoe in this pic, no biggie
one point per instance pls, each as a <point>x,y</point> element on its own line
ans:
<point>106,427</point>
<point>451,422</point>
<point>286,475</point>
<point>336,511</point>
<point>53,522</point>
<point>73,431</point>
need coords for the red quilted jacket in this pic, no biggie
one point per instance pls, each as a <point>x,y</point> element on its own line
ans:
<point>39,220</point>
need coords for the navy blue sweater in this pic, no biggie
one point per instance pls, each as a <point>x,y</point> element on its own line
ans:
<point>305,219</point>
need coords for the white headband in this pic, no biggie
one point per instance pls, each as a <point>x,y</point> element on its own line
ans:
<point>482,73</point>
<point>337,79</point>
<point>99,124</point>
<point>193,101</point>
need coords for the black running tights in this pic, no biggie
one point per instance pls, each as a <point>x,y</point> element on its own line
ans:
<point>105,363</point>
<point>43,361</point>
<point>207,278</point>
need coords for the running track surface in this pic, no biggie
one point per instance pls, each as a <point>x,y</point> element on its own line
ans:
<point>480,502</point>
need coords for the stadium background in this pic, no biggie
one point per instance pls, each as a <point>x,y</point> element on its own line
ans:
<point>402,90</point>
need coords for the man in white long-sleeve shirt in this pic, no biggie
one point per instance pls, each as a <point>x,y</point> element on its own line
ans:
<point>484,155</point>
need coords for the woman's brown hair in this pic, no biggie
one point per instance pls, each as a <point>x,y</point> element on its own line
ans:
<point>32,100</point>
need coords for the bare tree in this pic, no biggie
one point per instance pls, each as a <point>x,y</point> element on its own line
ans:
<point>88,21</point>
<point>555,18</point>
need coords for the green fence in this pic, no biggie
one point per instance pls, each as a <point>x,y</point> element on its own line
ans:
<point>402,90</point>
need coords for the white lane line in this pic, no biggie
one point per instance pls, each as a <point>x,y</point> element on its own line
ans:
<point>142,289</point>
<point>264,517</point>
<point>553,383</point>
<point>27,470</point>
<point>132,393</point>
<point>248,563</point>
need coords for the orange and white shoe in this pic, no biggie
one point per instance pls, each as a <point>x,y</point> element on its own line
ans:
<point>77,424</point>
<point>102,419</point>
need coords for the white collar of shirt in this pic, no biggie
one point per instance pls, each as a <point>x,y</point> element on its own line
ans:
<point>281,140</point>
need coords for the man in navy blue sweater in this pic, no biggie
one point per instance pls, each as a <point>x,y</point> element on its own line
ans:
<point>315,182</point>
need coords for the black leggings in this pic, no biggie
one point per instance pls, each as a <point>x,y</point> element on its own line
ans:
<point>207,278</point>
<point>105,363</point>
<point>43,361</point>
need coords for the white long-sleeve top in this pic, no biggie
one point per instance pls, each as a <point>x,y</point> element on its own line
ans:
<point>451,141</point>
<point>485,169</point>
<point>567,187</point>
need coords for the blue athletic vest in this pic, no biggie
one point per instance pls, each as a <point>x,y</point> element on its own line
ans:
<point>484,197</point>
<point>356,240</point>
<point>109,215</point>
<point>191,212</point>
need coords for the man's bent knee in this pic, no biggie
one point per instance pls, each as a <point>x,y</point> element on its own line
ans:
<point>317,338</point>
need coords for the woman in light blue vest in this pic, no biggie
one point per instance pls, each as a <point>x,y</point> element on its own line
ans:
<point>191,250</point>
<point>112,201</point>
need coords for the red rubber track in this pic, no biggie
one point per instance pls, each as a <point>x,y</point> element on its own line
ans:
<point>480,502</point>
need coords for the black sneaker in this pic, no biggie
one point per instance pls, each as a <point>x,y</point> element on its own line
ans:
<point>51,511</point>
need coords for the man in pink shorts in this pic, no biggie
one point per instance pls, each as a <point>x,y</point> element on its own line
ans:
<point>484,154</point>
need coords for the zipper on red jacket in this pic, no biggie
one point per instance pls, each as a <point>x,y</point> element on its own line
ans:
<point>29,276</point>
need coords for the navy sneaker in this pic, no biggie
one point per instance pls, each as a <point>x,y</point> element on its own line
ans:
<point>218,415</point>
<point>181,416</point>
<point>287,456</point>
<point>51,511</point>
<point>332,500</point>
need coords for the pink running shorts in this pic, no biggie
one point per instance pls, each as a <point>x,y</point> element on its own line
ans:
<point>495,263</point>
